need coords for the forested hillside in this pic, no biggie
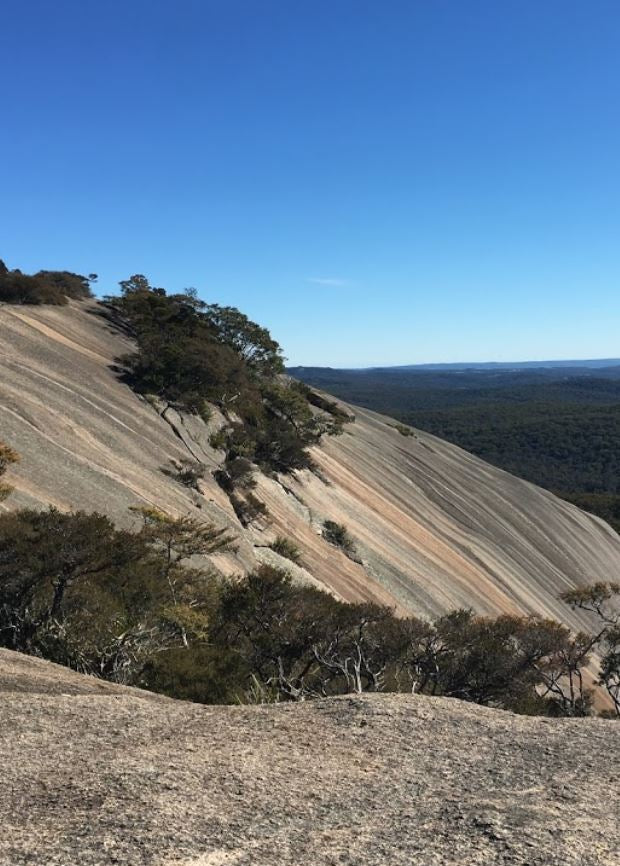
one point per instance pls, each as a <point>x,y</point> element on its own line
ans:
<point>556,428</point>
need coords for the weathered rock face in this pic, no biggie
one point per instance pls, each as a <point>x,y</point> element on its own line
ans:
<point>435,528</point>
<point>96,774</point>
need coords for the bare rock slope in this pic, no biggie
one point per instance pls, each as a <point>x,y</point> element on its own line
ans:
<point>435,528</point>
<point>100,776</point>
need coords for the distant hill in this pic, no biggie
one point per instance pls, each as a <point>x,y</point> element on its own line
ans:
<point>574,366</point>
<point>514,365</point>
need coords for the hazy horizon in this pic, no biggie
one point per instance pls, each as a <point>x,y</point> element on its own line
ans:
<point>594,363</point>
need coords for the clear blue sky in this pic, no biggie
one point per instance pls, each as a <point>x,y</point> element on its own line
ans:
<point>377,182</point>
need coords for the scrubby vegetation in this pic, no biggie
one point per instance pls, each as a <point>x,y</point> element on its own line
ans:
<point>190,353</point>
<point>76,590</point>
<point>323,403</point>
<point>7,457</point>
<point>189,473</point>
<point>127,606</point>
<point>338,535</point>
<point>403,429</point>
<point>44,287</point>
<point>287,548</point>
<point>133,607</point>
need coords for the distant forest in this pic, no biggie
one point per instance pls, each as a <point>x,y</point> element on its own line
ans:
<point>559,428</point>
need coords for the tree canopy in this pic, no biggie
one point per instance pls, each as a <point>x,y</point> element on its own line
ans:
<point>44,287</point>
<point>189,353</point>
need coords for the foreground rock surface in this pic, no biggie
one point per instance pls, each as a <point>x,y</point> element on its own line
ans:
<point>117,777</point>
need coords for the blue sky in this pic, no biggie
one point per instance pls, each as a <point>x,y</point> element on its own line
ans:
<point>377,182</point>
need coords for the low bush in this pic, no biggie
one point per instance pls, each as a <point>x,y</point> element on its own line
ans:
<point>403,430</point>
<point>44,287</point>
<point>7,457</point>
<point>323,403</point>
<point>338,535</point>
<point>188,473</point>
<point>287,548</point>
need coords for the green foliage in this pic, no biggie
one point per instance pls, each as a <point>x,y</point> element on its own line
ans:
<point>188,472</point>
<point>601,598</point>
<point>190,353</point>
<point>131,608</point>
<point>236,473</point>
<point>323,403</point>
<point>514,662</point>
<point>297,642</point>
<point>403,429</point>
<point>253,343</point>
<point>287,548</point>
<point>78,591</point>
<point>44,287</point>
<point>7,457</point>
<point>338,535</point>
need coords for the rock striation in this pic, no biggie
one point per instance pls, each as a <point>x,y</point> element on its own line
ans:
<point>434,527</point>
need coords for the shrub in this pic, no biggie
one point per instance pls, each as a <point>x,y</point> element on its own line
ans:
<point>7,457</point>
<point>403,429</point>
<point>241,470</point>
<point>188,473</point>
<point>205,412</point>
<point>323,403</point>
<point>44,287</point>
<point>78,591</point>
<point>248,508</point>
<point>601,598</point>
<point>236,473</point>
<point>338,535</point>
<point>224,480</point>
<point>287,548</point>
<point>126,606</point>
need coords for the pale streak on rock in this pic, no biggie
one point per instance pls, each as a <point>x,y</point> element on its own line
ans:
<point>436,528</point>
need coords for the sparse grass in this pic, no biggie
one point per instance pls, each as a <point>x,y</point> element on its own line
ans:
<point>206,412</point>
<point>248,509</point>
<point>188,473</point>
<point>403,430</point>
<point>287,548</point>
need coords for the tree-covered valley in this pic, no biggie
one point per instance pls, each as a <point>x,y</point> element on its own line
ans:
<point>557,427</point>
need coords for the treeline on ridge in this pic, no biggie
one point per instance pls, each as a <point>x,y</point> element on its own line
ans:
<point>44,287</point>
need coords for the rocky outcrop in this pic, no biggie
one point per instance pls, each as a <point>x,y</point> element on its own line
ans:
<point>434,527</point>
<point>114,776</point>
